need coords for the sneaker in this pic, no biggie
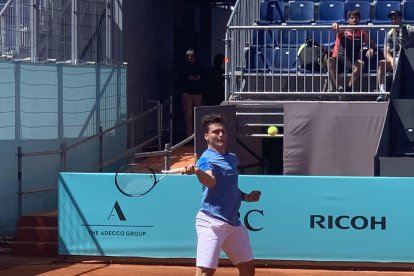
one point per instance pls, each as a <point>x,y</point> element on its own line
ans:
<point>382,88</point>
<point>340,89</point>
<point>381,98</point>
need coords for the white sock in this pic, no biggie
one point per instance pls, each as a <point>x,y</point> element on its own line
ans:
<point>382,87</point>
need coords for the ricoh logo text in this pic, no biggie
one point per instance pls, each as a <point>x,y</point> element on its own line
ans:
<point>345,222</point>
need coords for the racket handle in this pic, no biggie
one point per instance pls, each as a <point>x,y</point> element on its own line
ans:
<point>177,170</point>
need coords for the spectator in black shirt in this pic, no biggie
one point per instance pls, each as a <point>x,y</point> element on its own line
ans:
<point>191,77</point>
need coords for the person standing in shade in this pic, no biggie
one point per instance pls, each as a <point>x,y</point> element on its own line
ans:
<point>191,78</point>
<point>217,222</point>
<point>215,82</point>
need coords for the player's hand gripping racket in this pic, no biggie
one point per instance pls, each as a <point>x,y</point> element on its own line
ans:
<point>137,180</point>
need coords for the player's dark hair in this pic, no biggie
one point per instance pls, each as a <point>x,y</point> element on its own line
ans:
<point>354,13</point>
<point>211,119</point>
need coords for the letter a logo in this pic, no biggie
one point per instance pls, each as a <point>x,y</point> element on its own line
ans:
<point>118,211</point>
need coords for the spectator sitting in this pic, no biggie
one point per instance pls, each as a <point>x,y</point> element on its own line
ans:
<point>347,53</point>
<point>404,35</point>
<point>391,52</point>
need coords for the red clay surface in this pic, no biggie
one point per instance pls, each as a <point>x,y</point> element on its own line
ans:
<point>28,266</point>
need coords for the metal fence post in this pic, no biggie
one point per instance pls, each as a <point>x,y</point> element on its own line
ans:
<point>19,182</point>
<point>159,124</point>
<point>100,149</point>
<point>171,120</point>
<point>74,30</point>
<point>167,156</point>
<point>132,134</point>
<point>63,156</point>
<point>33,30</point>
<point>108,30</point>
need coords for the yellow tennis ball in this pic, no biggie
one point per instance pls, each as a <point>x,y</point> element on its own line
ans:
<point>272,130</point>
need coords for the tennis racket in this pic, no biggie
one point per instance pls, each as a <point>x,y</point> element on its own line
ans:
<point>137,180</point>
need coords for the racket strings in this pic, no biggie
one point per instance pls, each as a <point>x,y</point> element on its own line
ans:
<point>135,183</point>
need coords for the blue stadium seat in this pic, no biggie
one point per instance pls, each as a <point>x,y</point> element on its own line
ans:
<point>378,35</point>
<point>325,37</point>
<point>331,11</point>
<point>382,9</point>
<point>271,12</point>
<point>284,60</point>
<point>293,37</point>
<point>364,7</point>
<point>256,57</point>
<point>408,12</point>
<point>268,37</point>
<point>301,12</point>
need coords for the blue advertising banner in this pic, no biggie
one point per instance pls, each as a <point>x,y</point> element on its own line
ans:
<point>363,219</point>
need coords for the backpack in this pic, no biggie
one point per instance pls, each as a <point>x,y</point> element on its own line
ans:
<point>310,56</point>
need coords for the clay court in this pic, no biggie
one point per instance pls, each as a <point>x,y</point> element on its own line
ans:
<point>28,266</point>
<point>81,265</point>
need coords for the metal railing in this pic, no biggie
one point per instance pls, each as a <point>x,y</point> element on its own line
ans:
<point>70,31</point>
<point>130,152</point>
<point>262,61</point>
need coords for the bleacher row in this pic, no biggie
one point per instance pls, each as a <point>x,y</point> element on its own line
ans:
<point>276,50</point>
<point>328,11</point>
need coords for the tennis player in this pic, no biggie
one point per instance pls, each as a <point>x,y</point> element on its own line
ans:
<point>217,223</point>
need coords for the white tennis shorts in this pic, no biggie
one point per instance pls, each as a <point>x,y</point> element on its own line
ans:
<point>214,235</point>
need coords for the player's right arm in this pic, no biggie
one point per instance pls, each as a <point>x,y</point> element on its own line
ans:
<point>205,177</point>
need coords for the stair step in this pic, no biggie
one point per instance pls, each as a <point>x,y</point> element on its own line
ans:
<point>38,234</point>
<point>33,220</point>
<point>5,250</point>
<point>40,249</point>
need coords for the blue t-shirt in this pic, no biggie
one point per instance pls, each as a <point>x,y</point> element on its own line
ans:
<point>223,201</point>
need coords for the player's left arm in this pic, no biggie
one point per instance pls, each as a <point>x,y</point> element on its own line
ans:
<point>251,197</point>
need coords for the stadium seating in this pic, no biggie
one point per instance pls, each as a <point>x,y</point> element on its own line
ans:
<point>331,11</point>
<point>378,36</point>
<point>408,11</point>
<point>364,8</point>
<point>382,9</point>
<point>256,58</point>
<point>283,60</point>
<point>271,12</point>
<point>265,37</point>
<point>293,37</point>
<point>300,12</point>
<point>325,37</point>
